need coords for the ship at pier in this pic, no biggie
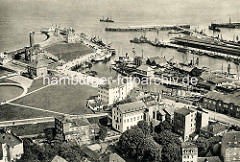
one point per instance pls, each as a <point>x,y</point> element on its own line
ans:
<point>142,39</point>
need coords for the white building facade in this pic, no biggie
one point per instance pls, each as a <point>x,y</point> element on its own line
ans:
<point>128,115</point>
<point>114,92</point>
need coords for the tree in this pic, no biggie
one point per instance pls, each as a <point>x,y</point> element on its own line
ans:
<point>171,152</point>
<point>171,145</point>
<point>163,126</point>
<point>143,125</point>
<point>203,147</point>
<point>103,133</point>
<point>148,151</point>
<point>130,140</point>
<point>166,137</point>
<point>46,152</point>
<point>49,133</point>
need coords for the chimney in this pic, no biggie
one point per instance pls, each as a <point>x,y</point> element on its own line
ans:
<point>31,36</point>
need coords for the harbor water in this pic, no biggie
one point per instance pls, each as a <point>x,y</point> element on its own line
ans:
<point>18,18</point>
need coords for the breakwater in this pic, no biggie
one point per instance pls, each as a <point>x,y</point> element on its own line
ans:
<point>147,28</point>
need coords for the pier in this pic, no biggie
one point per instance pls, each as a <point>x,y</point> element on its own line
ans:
<point>225,25</point>
<point>147,28</point>
<point>207,44</point>
<point>197,51</point>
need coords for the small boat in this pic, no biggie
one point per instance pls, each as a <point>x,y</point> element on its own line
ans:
<point>108,19</point>
<point>97,41</point>
<point>107,57</point>
<point>91,73</point>
<point>173,32</point>
<point>99,57</point>
<point>86,65</point>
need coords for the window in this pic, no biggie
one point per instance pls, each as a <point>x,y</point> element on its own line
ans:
<point>138,118</point>
<point>134,118</point>
<point>124,120</point>
<point>128,120</point>
<point>131,119</point>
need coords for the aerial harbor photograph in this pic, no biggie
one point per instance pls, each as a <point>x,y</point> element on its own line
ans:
<point>119,81</point>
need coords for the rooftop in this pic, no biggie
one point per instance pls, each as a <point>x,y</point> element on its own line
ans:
<point>58,159</point>
<point>94,147</point>
<point>90,153</point>
<point>213,78</point>
<point>113,157</point>
<point>131,107</point>
<point>188,145</point>
<point>227,98</point>
<point>216,127</point>
<point>209,159</point>
<point>10,139</point>
<point>75,121</point>
<point>170,110</point>
<point>184,111</point>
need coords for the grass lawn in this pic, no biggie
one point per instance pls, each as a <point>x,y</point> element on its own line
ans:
<point>69,51</point>
<point>40,82</point>
<point>69,99</point>
<point>30,129</point>
<point>36,84</point>
<point>9,92</point>
<point>10,112</point>
<point>5,80</point>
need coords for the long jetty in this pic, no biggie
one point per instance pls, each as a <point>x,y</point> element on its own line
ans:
<point>147,28</point>
<point>197,51</point>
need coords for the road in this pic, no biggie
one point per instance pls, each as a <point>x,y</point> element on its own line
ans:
<point>26,121</point>
<point>223,118</point>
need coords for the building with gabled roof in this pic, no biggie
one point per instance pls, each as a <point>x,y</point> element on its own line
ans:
<point>128,115</point>
<point>75,128</point>
<point>11,146</point>
<point>214,129</point>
